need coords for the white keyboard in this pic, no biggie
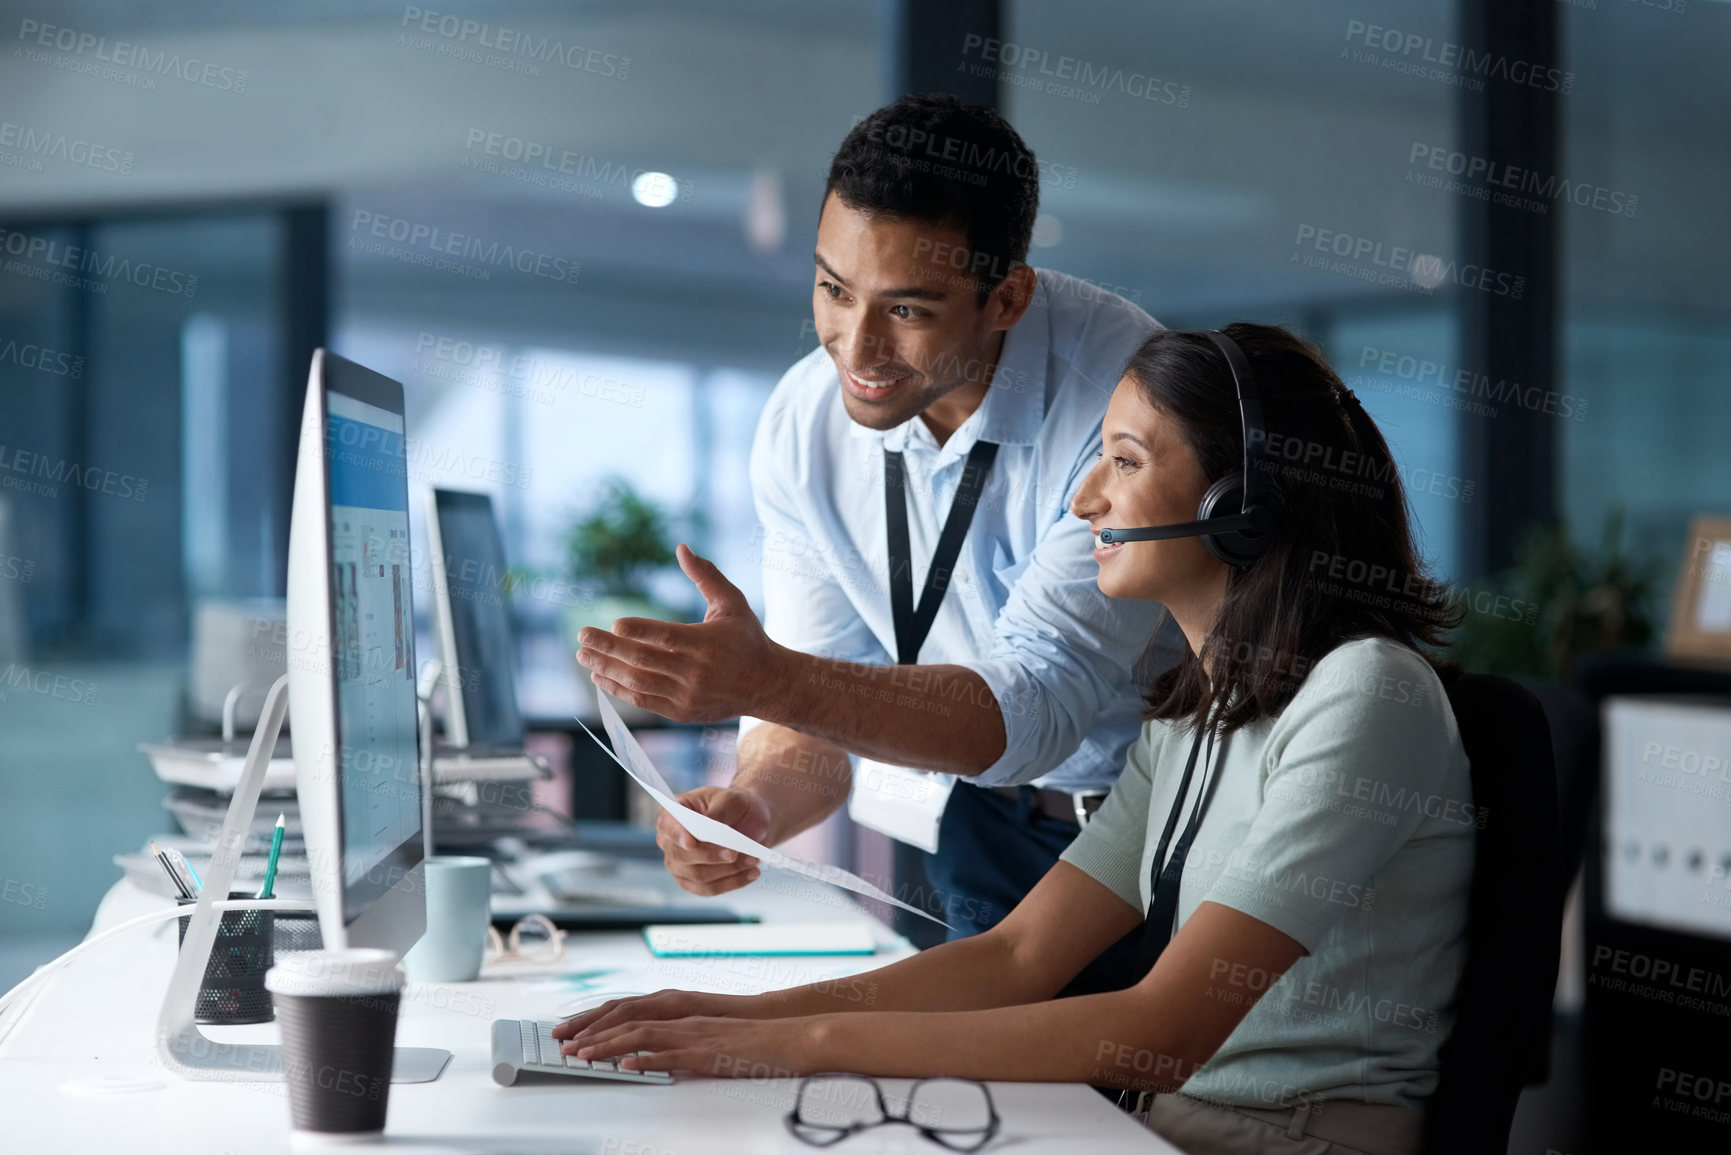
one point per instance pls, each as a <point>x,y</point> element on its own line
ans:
<point>528,1045</point>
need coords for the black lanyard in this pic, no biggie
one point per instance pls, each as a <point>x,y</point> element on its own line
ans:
<point>912,625</point>
<point>1163,903</point>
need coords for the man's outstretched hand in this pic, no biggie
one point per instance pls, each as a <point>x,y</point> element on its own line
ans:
<point>716,669</point>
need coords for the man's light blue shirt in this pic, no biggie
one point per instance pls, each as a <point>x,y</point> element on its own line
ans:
<point>1023,610</point>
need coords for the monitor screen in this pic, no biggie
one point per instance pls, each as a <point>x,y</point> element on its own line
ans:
<point>377,728</point>
<point>480,620</point>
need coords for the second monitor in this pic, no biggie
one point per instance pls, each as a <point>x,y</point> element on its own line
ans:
<point>472,622</point>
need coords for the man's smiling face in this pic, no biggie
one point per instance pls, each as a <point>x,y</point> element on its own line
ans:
<point>904,327</point>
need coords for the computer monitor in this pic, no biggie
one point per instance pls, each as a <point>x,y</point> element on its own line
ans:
<point>351,660</point>
<point>472,621</point>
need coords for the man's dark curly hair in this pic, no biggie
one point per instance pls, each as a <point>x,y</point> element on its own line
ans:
<point>936,159</point>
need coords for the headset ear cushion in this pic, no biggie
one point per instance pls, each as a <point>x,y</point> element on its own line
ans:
<point>1224,497</point>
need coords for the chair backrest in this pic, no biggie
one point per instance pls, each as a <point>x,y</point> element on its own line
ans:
<point>1501,1036</point>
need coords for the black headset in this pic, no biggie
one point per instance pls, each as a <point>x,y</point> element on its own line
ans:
<point>1236,538</point>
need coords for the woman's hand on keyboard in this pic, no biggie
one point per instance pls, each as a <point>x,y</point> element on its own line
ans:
<point>661,1005</point>
<point>728,1048</point>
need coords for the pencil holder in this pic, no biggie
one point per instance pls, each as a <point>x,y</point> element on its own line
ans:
<point>296,930</point>
<point>233,988</point>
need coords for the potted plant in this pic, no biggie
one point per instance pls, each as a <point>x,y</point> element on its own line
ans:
<point>613,549</point>
<point>1584,601</point>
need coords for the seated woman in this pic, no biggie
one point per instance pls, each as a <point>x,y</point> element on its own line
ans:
<point>1321,849</point>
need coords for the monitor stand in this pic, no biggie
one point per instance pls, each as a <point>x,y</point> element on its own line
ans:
<point>183,1048</point>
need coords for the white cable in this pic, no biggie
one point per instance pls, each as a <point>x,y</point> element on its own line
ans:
<point>185,911</point>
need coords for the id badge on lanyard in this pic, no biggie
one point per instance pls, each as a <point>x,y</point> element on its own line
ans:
<point>909,804</point>
<point>905,804</point>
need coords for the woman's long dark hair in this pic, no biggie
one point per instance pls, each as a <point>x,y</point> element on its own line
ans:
<point>1342,565</point>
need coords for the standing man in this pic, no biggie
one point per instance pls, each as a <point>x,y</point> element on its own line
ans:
<point>929,603</point>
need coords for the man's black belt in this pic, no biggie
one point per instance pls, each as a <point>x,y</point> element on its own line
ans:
<point>1072,806</point>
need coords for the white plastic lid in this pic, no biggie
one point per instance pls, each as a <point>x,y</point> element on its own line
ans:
<point>335,973</point>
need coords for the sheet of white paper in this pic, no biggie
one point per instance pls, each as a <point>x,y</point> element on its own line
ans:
<point>636,763</point>
<point>625,746</point>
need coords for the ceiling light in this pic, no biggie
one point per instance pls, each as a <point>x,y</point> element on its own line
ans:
<point>656,190</point>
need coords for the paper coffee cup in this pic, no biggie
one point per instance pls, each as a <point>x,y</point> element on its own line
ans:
<point>338,1011</point>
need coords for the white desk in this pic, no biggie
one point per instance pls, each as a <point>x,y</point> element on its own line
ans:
<point>97,1017</point>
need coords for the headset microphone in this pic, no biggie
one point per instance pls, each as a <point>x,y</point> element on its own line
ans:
<point>1237,536</point>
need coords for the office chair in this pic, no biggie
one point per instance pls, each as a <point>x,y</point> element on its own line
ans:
<point>1502,1027</point>
<point>1576,743</point>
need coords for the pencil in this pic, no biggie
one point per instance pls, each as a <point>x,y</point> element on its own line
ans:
<point>168,869</point>
<point>267,891</point>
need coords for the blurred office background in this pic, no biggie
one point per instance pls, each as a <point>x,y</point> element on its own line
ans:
<point>249,181</point>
